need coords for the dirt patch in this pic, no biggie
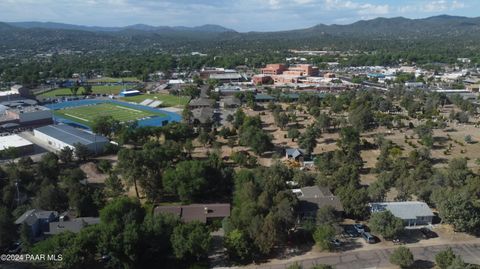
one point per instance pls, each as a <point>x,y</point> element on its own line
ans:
<point>93,175</point>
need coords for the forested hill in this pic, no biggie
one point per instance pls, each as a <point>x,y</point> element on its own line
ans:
<point>406,28</point>
<point>443,31</point>
<point>208,28</point>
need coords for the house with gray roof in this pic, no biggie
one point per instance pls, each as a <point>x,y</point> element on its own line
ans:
<point>73,225</point>
<point>230,102</point>
<point>313,198</point>
<point>413,213</point>
<point>294,153</point>
<point>204,115</point>
<point>196,212</point>
<point>201,102</point>
<point>38,220</point>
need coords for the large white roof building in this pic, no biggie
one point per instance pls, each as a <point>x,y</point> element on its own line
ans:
<point>17,142</point>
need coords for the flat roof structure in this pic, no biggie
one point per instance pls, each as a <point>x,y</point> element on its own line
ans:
<point>226,76</point>
<point>13,141</point>
<point>70,135</point>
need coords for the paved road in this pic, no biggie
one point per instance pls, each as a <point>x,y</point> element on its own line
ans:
<point>379,258</point>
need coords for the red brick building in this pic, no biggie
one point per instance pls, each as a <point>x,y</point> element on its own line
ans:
<point>274,69</point>
<point>261,79</point>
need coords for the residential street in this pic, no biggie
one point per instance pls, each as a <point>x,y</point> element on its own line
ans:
<point>379,258</point>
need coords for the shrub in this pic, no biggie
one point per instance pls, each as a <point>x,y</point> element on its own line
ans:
<point>402,257</point>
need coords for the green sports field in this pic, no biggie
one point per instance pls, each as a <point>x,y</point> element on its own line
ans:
<point>87,114</point>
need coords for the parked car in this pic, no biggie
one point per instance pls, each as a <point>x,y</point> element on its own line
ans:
<point>351,231</point>
<point>360,228</point>
<point>335,242</point>
<point>427,233</point>
<point>368,237</point>
<point>397,241</point>
<point>15,248</point>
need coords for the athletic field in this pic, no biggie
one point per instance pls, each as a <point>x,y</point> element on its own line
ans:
<point>86,114</point>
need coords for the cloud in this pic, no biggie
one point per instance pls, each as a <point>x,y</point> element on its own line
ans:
<point>242,15</point>
<point>360,8</point>
<point>433,6</point>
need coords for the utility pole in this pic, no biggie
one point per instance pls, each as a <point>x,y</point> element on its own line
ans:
<point>18,192</point>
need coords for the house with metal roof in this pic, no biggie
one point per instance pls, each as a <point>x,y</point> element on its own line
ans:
<point>61,136</point>
<point>413,213</point>
<point>294,153</point>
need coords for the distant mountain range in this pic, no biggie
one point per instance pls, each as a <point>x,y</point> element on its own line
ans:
<point>209,28</point>
<point>47,35</point>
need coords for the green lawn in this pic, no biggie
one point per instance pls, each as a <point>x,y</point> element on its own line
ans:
<point>167,99</point>
<point>87,114</point>
<point>96,90</point>
<point>110,79</point>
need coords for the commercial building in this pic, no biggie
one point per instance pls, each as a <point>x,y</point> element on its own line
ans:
<point>207,71</point>
<point>24,113</point>
<point>281,74</point>
<point>20,90</point>
<point>286,79</point>
<point>473,88</point>
<point>376,75</point>
<point>227,77</point>
<point>17,142</point>
<point>61,136</point>
<point>412,213</point>
<point>274,69</point>
<point>233,89</point>
<point>8,95</point>
<point>302,70</point>
<point>261,79</point>
<point>15,92</point>
<point>414,84</point>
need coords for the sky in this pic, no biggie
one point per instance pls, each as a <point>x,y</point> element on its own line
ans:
<point>240,15</point>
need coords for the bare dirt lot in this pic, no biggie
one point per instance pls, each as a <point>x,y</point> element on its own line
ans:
<point>452,137</point>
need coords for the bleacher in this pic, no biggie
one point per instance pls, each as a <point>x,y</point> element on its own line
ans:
<point>155,104</point>
<point>146,102</point>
